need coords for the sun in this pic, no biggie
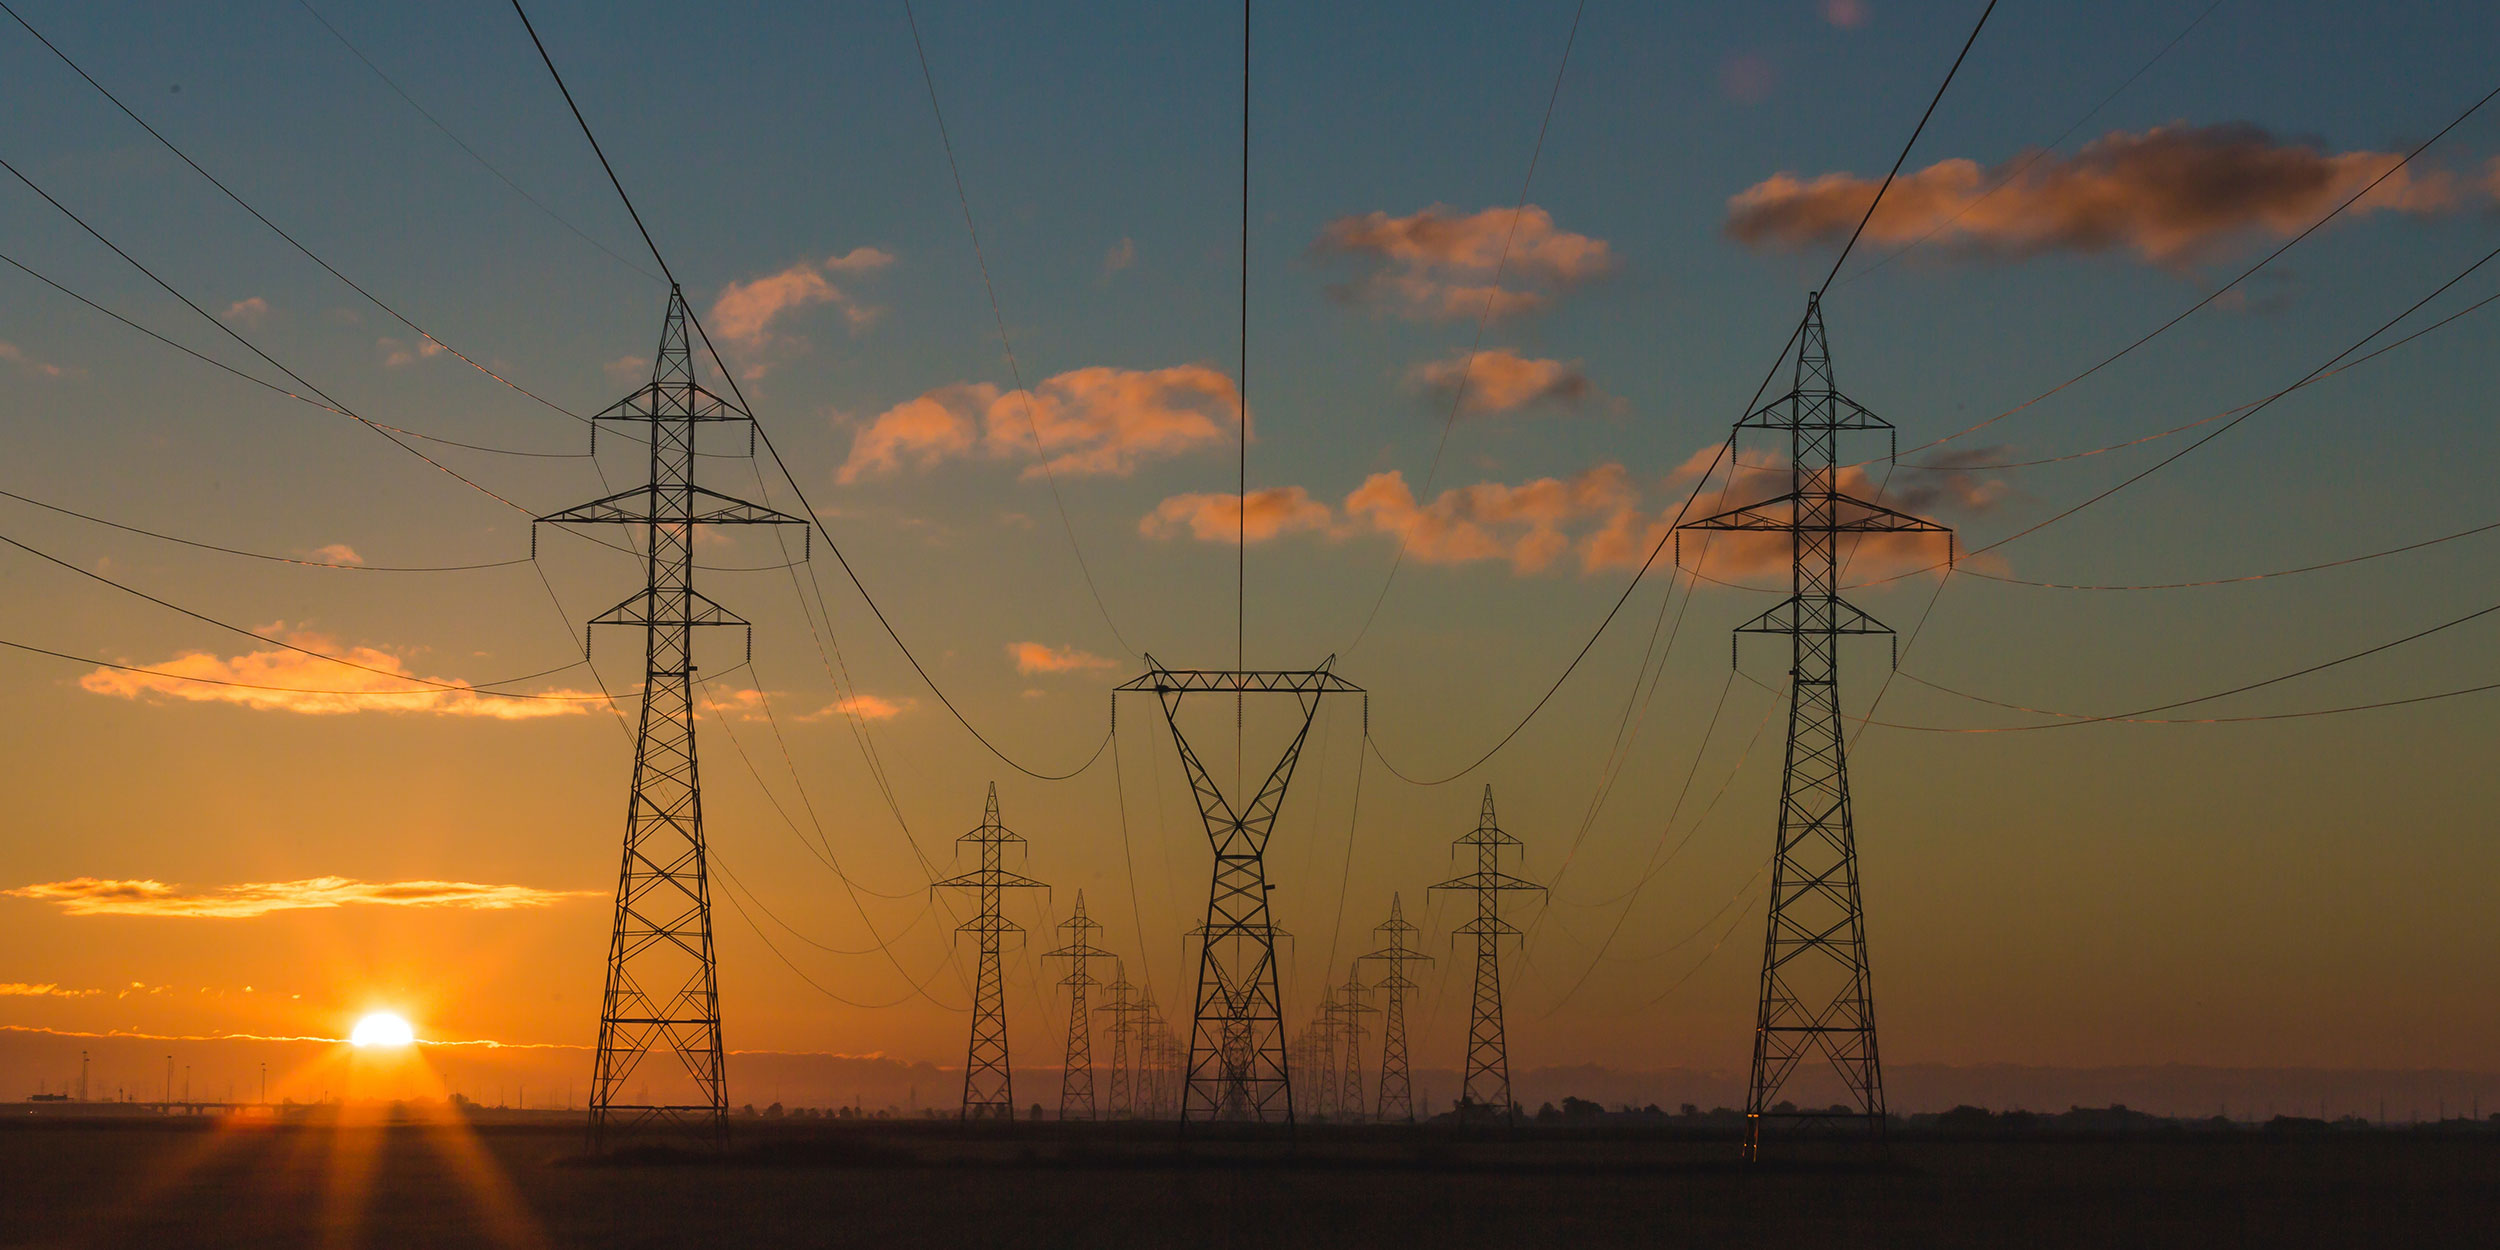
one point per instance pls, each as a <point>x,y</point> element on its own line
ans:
<point>383,1029</point>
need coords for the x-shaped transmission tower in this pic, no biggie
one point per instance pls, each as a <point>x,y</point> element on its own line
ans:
<point>1237,1068</point>
<point>1817,996</point>
<point>662,985</point>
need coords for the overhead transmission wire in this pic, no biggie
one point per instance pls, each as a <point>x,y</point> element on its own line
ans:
<point>1493,292</point>
<point>1725,450</point>
<point>813,517</point>
<point>256,555</point>
<point>479,688</point>
<point>274,227</point>
<point>1041,453</point>
<point>463,145</point>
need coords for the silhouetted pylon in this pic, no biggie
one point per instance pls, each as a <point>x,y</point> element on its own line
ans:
<point>1397,1091</point>
<point>662,985</point>
<point>1817,994</point>
<point>1076,1079</point>
<point>989,1091</point>
<point>1485,1090</point>
<point>1350,1012</point>
<point>1122,1008</point>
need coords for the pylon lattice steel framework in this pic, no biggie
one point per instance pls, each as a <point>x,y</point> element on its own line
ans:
<point>1122,1009</point>
<point>1076,1072</point>
<point>1350,1012</point>
<point>1485,1090</point>
<point>1397,1090</point>
<point>1817,996</point>
<point>1237,1068</point>
<point>662,985</point>
<point>1158,1062</point>
<point>989,1088</point>
<point>1319,1057</point>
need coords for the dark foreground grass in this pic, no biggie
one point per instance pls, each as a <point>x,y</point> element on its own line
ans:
<point>155,1184</point>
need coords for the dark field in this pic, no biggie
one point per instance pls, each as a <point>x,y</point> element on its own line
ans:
<point>158,1183</point>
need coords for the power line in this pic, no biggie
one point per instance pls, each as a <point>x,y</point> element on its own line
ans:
<point>255,555</point>
<point>1898,161</point>
<point>246,206</point>
<point>253,685</point>
<point>1041,455</point>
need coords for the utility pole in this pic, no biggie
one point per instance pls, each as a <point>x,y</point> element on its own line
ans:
<point>1350,1012</point>
<point>1237,1067</point>
<point>1076,1072</point>
<point>1397,1094</point>
<point>1817,995</point>
<point>662,985</point>
<point>1485,1090</point>
<point>988,1085</point>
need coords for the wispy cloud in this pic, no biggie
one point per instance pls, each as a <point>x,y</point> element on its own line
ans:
<point>2172,195</point>
<point>289,681</point>
<point>863,706</point>
<point>1501,380</point>
<point>337,553</point>
<point>100,896</point>
<point>1037,657</point>
<point>400,353</point>
<point>743,314</point>
<point>246,312</point>
<point>1093,421</point>
<point>1441,265</point>
<point>1220,517</point>
<point>20,989</point>
<point>17,356</point>
<point>1122,255</point>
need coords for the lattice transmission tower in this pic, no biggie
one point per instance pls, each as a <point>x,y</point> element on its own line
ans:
<point>1817,996</point>
<point>1122,1008</point>
<point>1158,1062</point>
<point>1397,1090</point>
<point>989,1088</point>
<point>1320,1058</point>
<point>1237,1068</point>
<point>1485,1090</point>
<point>1351,1008</point>
<point>1076,1072</point>
<point>661,991</point>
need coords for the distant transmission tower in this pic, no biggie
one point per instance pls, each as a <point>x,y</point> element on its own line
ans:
<point>1397,1092</point>
<point>1321,1063</point>
<point>1158,1062</point>
<point>1076,1079</point>
<point>1817,995</point>
<point>989,1092</point>
<point>662,982</point>
<point>1485,1090</point>
<point>1237,1068</point>
<point>1350,1012</point>
<point>1122,1008</point>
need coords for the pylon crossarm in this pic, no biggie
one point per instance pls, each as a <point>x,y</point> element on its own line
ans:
<point>672,401</point>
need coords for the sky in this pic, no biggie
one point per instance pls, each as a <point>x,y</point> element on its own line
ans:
<point>190,860</point>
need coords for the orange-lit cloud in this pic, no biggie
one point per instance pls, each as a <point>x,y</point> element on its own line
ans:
<point>20,989</point>
<point>1441,265</point>
<point>338,553</point>
<point>2173,195</point>
<point>1221,518</point>
<point>246,312</point>
<point>98,896</point>
<point>1526,525</point>
<point>1761,476</point>
<point>1501,380</point>
<point>1098,420</point>
<point>17,356</point>
<point>315,687</point>
<point>1037,657</point>
<point>400,353</point>
<point>1846,14</point>
<point>743,313</point>
<point>863,706</point>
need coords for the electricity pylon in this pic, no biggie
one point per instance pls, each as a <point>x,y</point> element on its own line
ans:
<point>1817,994</point>
<point>1350,1012</point>
<point>1485,1090</point>
<point>1237,1068</point>
<point>1321,1059</point>
<point>662,983</point>
<point>1158,1059</point>
<point>1076,1073</point>
<point>1397,1091</point>
<point>1123,1012</point>
<point>988,1086</point>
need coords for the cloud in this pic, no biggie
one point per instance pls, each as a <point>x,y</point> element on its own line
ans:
<point>1219,517</point>
<point>398,354</point>
<point>338,553</point>
<point>744,312</point>
<point>100,896</point>
<point>1093,421</point>
<point>246,312</point>
<point>745,705</point>
<point>1501,380</point>
<point>1761,476</point>
<point>1122,255</point>
<point>1036,657</point>
<point>627,369</point>
<point>316,687</point>
<point>863,706</point>
<point>20,989</point>
<point>2173,195</point>
<point>1440,265</point>
<point>1846,14</point>
<point>16,355</point>
<point>1527,525</point>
